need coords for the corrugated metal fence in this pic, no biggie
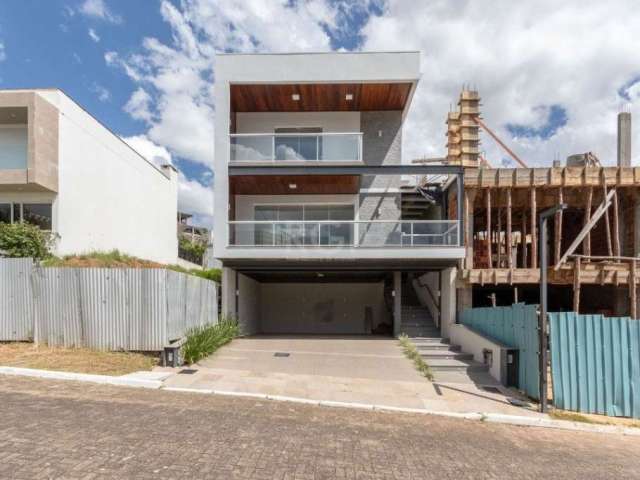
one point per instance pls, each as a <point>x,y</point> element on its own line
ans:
<point>517,327</point>
<point>595,363</point>
<point>101,308</point>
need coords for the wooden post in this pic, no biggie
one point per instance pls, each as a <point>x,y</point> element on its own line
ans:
<point>499,229</point>
<point>524,240</point>
<point>616,226</point>
<point>586,244</point>
<point>490,262</point>
<point>607,225</point>
<point>468,224</point>
<point>509,240</point>
<point>534,237</point>
<point>557,243</point>
<point>632,291</point>
<point>576,285</point>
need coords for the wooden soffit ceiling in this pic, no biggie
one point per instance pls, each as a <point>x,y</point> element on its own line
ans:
<point>281,184</point>
<point>319,97</point>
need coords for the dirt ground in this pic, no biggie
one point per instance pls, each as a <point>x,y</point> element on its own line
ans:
<point>81,360</point>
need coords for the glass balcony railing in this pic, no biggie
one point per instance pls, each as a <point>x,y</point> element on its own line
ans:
<point>283,147</point>
<point>329,233</point>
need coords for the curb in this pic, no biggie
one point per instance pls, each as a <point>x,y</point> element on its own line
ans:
<point>81,377</point>
<point>541,422</point>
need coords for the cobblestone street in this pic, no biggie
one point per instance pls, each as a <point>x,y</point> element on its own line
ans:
<point>81,431</point>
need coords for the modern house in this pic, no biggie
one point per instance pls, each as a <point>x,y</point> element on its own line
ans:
<point>320,226</point>
<point>64,171</point>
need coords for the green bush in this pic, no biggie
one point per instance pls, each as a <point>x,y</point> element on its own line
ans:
<point>24,240</point>
<point>214,274</point>
<point>203,341</point>
<point>191,251</point>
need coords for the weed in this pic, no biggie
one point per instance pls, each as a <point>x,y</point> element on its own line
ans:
<point>413,354</point>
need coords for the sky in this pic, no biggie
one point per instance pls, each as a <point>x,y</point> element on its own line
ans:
<point>552,75</point>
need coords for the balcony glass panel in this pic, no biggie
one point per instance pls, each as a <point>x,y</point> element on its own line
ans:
<point>327,147</point>
<point>330,233</point>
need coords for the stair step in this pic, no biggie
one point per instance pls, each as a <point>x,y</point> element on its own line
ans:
<point>427,341</point>
<point>444,355</point>
<point>440,365</point>
<point>425,347</point>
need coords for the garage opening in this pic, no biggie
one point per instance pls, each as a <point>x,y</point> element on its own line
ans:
<point>321,303</point>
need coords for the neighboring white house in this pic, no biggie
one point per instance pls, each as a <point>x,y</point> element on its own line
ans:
<point>66,172</point>
<point>314,225</point>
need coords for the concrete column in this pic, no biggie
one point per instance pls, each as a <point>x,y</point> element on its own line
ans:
<point>624,139</point>
<point>448,301</point>
<point>397,303</point>
<point>228,292</point>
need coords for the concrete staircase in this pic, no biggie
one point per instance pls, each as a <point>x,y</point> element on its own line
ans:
<point>439,354</point>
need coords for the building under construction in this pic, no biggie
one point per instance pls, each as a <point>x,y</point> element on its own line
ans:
<point>593,245</point>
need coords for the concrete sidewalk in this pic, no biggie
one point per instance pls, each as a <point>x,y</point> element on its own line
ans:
<point>362,370</point>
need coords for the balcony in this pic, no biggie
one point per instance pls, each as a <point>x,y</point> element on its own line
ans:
<point>350,234</point>
<point>296,147</point>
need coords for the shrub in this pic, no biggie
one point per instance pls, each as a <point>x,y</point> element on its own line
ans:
<point>214,274</point>
<point>191,251</point>
<point>24,240</point>
<point>204,340</point>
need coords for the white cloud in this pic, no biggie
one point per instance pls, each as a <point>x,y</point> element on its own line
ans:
<point>193,196</point>
<point>138,105</point>
<point>99,9</point>
<point>3,54</point>
<point>523,57</point>
<point>103,94</point>
<point>94,36</point>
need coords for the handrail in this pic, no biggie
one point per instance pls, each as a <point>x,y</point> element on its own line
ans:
<point>268,134</point>
<point>453,222</point>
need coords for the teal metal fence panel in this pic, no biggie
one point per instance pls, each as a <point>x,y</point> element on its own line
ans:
<point>595,363</point>
<point>517,327</point>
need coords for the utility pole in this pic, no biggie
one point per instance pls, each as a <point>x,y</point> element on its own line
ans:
<point>542,319</point>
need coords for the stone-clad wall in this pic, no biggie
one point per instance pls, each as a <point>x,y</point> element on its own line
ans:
<point>382,145</point>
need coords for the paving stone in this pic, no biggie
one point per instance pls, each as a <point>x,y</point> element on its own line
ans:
<point>52,429</point>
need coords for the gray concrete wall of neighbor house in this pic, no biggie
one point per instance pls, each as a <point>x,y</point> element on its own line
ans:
<point>381,145</point>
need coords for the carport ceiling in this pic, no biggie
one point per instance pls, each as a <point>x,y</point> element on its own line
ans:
<point>294,184</point>
<point>317,277</point>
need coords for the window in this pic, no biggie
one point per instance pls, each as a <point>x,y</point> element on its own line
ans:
<point>5,213</point>
<point>304,146</point>
<point>285,226</point>
<point>38,214</point>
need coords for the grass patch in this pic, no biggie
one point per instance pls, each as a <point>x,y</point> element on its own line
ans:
<point>116,259</point>
<point>593,419</point>
<point>111,259</point>
<point>80,360</point>
<point>203,341</point>
<point>413,354</point>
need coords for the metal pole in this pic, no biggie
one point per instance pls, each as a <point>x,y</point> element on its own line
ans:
<point>542,323</point>
<point>542,320</point>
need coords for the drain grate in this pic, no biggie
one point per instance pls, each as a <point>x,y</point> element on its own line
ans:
<point>281,354</point>
<point>490,389</point>
<point>187,371</point>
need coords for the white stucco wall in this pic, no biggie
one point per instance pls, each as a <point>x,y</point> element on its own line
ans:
<point>109,196</point>
<point>13,146</point>
<point>249,305</point>
<point>474,343</point>
<point>267,122</point>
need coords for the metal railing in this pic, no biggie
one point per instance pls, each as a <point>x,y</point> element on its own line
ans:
<point>332,233</point>
<point>283,147</point>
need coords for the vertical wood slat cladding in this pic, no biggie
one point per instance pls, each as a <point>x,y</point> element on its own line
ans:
<point>319,97</point>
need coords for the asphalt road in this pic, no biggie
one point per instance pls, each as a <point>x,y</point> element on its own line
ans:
<point>80,431</point>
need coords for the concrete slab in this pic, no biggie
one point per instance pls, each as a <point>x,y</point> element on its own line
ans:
<point>365,370</point>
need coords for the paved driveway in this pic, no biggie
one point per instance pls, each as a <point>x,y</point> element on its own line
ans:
<point>371,370</point>
<point>80,431</point>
